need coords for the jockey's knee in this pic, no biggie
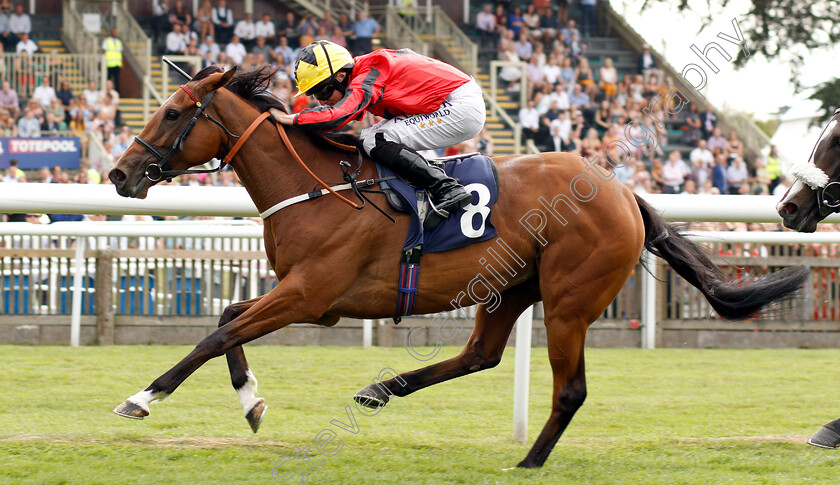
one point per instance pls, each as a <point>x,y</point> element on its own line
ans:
<point>385,151</point>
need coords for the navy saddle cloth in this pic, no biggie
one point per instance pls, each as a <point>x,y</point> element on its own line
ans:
<point>463,227</point>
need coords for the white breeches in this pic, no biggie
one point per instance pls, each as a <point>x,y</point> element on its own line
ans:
<point>459,118</point>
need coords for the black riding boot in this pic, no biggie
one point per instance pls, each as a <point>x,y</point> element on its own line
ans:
<point>447,193</point>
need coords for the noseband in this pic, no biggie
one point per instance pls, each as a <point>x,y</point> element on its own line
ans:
<point>160,170</point>
<point>828,199</point>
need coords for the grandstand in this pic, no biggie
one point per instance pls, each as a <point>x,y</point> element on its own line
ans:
<point>441,31</point>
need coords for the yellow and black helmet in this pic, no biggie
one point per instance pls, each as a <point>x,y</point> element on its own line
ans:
<point>318,62</point>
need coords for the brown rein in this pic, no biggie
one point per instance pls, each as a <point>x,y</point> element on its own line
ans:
<point>244,136</point>
<point>288,143</point>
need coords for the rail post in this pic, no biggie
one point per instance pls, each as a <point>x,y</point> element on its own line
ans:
<point>367,332</point>
<point>521,375</point>
<point>104,297</point>
<point>648,301</point>
<point>76,311</point>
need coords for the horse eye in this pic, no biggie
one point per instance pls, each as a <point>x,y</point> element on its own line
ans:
<point>836,141</point>
<point>171,115</point>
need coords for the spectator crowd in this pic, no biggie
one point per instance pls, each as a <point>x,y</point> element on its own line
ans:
<point>576,102</point>
<point>581,103</point>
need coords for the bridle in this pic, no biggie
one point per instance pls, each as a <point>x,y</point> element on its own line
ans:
<point>828,199</point>
<point>160,170</point>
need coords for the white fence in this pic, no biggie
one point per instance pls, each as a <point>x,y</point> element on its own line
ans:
<point>235,202</point>
<point>85,233</point>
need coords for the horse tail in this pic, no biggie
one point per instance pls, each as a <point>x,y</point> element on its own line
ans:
<point>689,260</point>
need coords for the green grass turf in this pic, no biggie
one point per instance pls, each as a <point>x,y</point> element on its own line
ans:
<point>662,416</point>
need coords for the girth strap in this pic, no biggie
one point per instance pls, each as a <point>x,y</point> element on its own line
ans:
<point>407,284</point>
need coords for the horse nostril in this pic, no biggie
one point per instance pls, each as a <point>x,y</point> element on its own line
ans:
<point>117,176</point>
<point>790,208</point>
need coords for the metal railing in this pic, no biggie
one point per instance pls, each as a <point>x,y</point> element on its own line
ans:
<point>318,7</point>
<point>134,39</point>
<point>531,147</point>
<point>747,253</point>
<point>451,38</point>
<point>25,73</point>
<point>496,110</point>
<point>350,7</point>
<point>73,30</point>
<point>139,45</point>
<point>523,79</point>
<point>399,34</point>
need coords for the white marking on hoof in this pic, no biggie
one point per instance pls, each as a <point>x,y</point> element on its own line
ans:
<point>130,410</point>
<point>256,414</point>
<point>143,398</point>
<point>247,393</point>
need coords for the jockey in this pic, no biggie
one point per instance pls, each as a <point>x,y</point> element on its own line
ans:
<point>425,103</point>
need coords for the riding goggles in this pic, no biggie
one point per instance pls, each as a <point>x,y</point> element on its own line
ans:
<point>323,90</point>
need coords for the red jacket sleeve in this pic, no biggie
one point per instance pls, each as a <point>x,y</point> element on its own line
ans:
<point>364,90</point>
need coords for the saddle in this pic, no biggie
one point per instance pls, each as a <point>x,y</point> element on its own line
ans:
<point>398,202</point>
<point>427,233</point>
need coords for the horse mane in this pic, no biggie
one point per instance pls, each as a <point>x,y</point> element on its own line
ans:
<point>253,86</point>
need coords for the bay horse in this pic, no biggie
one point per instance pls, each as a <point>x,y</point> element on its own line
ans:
<point>333,261</point>
<point>813,197</point>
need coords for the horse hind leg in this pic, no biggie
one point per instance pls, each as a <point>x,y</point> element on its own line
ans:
<point>242,379</point>
<point>569,310</point>
<point>565,352</point>
<point>483,350</point>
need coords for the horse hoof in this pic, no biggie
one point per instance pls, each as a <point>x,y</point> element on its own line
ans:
<point>130,410</point>
<point>825,438</point>
<point>255,415</point>
<point>371,397</point>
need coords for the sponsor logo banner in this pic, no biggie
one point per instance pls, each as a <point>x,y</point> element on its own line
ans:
<point>34,153</point>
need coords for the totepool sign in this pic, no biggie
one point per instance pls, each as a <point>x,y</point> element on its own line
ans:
<point>34,153</point>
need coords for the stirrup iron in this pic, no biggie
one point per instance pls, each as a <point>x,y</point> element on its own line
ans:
<point>442,213</point>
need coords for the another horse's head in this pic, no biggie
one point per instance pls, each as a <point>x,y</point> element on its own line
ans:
<point>174,138</point>
<point>816,192</point>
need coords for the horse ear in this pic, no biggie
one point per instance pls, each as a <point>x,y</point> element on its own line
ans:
<point>226,77</point>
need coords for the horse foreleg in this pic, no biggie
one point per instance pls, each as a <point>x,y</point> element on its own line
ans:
<point>280,307</point>
<point>483,350</point>
<point>828,436</point>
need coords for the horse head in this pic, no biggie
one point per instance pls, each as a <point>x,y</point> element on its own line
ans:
<point>175,138</point>
<point>816,192</point>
